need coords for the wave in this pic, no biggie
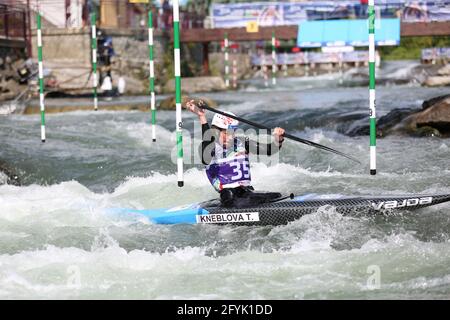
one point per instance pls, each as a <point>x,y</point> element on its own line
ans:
<point>300,255</point>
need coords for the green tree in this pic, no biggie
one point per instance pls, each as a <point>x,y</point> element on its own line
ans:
<point>410,48</point>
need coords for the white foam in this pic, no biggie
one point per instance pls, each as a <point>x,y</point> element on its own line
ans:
<point>109,271</point>
<point>3,178</point>
<point>17,203</point>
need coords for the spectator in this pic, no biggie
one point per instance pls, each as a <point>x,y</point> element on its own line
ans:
<point>363,8</point>
<point>166,14</point>
<point>106,53</point>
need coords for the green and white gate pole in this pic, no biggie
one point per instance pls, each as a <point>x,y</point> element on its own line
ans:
<point>274,60</point>
<point>94,59</point>
<point>373,121</point>
<point>285,67</point>
<point>227,68</point>
<point>179,124</point>
<point>41,75</point>
<point>152,74</point>
<point>264,69</point>
<point>234,73</point>
<point>306,59</point>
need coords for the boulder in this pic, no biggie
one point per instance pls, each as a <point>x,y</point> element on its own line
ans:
<point>445,70</point>
<point>388,124</point>
<point>197,84</point>
<point>10,89</point>
<point>437,81</point>
<point>393,121</point>
<point>433,120</point>
<point>431,102</point>
<point>436,115</point>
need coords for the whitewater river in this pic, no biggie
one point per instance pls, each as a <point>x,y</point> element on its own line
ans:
<point>57,239</point>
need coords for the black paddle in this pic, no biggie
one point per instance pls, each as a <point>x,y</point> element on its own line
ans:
<point>202,105</point>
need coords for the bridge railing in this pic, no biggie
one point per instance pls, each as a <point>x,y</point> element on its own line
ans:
<point>311,57</point>
<point>188,20</point>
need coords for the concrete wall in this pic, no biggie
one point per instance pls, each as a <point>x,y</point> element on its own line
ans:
<point>75,45</point>
<point>67,52</point>
<point>217,64</point>
<point>132,44</point>
<point>65,44</point>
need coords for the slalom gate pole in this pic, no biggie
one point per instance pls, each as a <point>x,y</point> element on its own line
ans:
<point>41,75</point>
<point>305,54</point>
<point>152,74</point>
<point>227,68</point>
<point>285,66</point>
<point>179,123</point>
<point>266,77</point>
<point>274,60</point>
<point>373,119</point>
<point>234,73</point>
<point>94,59</point>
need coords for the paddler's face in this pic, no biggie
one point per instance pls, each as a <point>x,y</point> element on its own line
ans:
<point>226,137</point>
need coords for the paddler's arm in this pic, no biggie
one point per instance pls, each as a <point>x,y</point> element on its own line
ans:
<point>268,149</point>
<point>207,137</point>
<point>207,147</point>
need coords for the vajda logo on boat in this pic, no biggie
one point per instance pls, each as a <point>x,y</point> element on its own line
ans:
<point>393,204</point>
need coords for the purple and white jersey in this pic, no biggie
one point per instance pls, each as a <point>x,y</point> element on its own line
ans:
<point>229,168</point>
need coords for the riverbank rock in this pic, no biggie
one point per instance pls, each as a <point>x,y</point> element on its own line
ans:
<point>169,103</point>
<point>10,89</point>
<point>433,120</point>
<point>445,70</point>
<point>391,123</point>
<point>388,124</point>
<point>437,76</point>
<point>431,102</point>
<point>197,84</point>
<point>435,115</point>
<point>437,81</point>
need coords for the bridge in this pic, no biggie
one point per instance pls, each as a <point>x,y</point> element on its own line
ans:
<point>410,29</point>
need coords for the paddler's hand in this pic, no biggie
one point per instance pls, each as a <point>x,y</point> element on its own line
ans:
<point>192,107</point>
<point>279,135</point>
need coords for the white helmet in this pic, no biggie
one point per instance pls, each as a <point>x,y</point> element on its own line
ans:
<point>224,122</point>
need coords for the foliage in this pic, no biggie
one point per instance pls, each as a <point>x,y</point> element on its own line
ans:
<point>410,47</point>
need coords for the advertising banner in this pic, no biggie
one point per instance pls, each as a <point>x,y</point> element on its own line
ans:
<point>338,33</point>
<point>292,13</point>
<point>435,53</point>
